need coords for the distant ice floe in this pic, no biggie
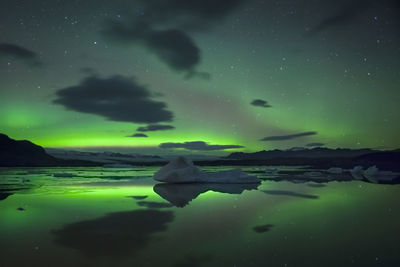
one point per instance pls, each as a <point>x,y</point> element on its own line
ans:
<point>117,165</point>
<point>313,174</point>
<point>272,171</point>
<point>373,174</point>
<point>182,170</point>
<point>357,173</point>
<point>63,174</point>
<point>335,170</point>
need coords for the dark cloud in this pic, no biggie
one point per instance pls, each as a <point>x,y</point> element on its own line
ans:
<point>172,46</point>
<point>162,27</point>
<point>202,75</point>
<point>260,103</point>
<point>158,94</point>
<point>116,98</point>
<point>88,71</point>
<point>138,135</point>
<point>287,137</point>
<point>18,52</point>
<point>315,144</point>
<point>155,127</point>
<point>343,16</point>
<point>175,48</point>
<point>198,145</point>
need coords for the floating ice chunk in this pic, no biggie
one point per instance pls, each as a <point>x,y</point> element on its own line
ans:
<point>313,174</point>
<point>63,174</point>
<point>117,165</point>
<point>371,173</point>
<point>271,171</point>
<point>357,173</point>
<point>374,175</point>
<point>182,170</point>
<point>335,170</point>
<point>387,176</point>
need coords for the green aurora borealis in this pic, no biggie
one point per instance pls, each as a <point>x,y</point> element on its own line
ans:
<point>342,81</point>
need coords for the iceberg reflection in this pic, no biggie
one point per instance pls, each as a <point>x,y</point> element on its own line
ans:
<point>181,194</point>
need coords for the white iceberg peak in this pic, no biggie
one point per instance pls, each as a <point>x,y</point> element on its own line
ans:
<point>182,170</point>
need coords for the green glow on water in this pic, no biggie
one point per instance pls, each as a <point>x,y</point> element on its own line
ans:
<point>343,212</point>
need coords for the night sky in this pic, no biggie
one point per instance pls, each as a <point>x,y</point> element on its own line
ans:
<point>161,76</point>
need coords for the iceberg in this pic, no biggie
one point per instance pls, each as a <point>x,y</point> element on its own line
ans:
<point>271,171</point>
<point>357,173</point>
<point>371,173</point>
<point>182,170</point>
<point>374,175</point>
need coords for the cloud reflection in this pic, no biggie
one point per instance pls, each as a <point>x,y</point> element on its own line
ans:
<point>116,235</point>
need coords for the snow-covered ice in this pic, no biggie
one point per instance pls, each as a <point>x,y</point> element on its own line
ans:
<point>182,170</point>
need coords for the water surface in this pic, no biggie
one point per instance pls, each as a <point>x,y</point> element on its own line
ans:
<point>122,217</point>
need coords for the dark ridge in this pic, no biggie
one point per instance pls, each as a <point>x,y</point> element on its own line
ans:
<point>385,160</point>
<point>318,152</point>
<point>24,153</point>
<point>15,153</point>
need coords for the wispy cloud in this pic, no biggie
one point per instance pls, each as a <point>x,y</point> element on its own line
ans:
<point>198,145</point>
<point>260,103</point>
<point>287,137</point>
<point>20,53</point>
<point>137,135</point>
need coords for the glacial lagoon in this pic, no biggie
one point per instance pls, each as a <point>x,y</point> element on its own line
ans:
<point>122,217</point>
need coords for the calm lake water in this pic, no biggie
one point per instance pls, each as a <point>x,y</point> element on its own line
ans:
<point>122,217</point>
